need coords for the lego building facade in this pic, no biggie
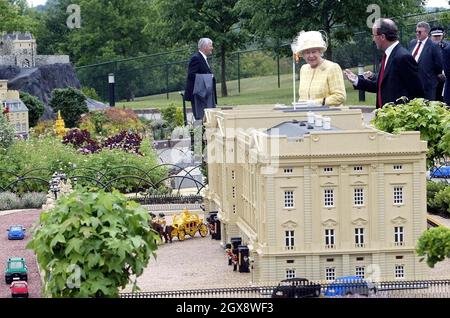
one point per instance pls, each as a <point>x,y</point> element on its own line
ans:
<point>14,109</point>
<point>313,202</point>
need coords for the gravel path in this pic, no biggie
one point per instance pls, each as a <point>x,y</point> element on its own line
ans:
<point>193,263</point>
<point>17,249</point>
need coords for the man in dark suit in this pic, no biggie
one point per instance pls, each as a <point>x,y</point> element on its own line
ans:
<point>428,56</point>
<point>198,64</point>
<point>437,35</point>
<point>446,59</point>
<point>398,74</point>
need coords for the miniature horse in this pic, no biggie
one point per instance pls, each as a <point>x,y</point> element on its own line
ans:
<point>166,234</point>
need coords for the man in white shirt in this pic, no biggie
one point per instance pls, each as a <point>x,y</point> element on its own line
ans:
<point>398,74</point>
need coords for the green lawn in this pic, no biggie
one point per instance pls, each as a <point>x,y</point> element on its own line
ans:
<point>256,90</point>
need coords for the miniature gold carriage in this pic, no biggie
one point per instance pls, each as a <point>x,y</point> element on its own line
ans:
<point>186,223</point>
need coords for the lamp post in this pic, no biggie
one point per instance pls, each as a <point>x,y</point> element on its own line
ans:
<point>111,83</point>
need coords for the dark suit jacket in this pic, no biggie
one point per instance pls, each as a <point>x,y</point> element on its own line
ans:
<point>400,78</point>
<point>430,66</point>
<point>446,60</point>
<point>197,65</point>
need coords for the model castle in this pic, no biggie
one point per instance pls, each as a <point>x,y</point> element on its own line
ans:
<point>317,198</point>
<point>19,49</point>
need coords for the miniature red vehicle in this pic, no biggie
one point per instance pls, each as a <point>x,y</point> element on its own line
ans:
<point>19,288</point>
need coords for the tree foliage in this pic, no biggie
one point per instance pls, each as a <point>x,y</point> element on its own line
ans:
<point>432,119</point>
<point>14,16</point>
<point>276,19</point>
<point>434,244</point>
<point>186,21</point>
<point>35,108</point>
<point>72,104</point>
<point>91,244</point>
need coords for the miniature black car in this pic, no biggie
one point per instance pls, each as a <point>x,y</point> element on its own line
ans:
<point>296,288</point>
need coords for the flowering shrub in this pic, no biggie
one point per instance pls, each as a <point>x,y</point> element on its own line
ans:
<point>129,142</point>
<point>81,140</point>
<point>50,155</point>
<point>111,121</point>
<point>43,128</point>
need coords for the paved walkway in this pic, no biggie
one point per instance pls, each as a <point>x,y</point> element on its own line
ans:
<point>17,249</point>
<point>439,219</point>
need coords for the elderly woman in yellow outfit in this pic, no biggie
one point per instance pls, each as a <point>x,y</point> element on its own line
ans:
<point>321,81</point>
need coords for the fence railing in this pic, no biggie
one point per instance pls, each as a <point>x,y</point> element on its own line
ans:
<point>386,289</point>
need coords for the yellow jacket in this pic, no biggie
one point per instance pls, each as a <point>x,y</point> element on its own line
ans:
<point>324,81</point>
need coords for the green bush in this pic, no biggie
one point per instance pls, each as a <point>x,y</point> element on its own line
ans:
<point>7,133</point>
<point>90,92</point>
<point>111,121</point>
<point>92,244</point>
<point>433,188</point>
<point>9,201</point>
<point>442,201</point>
<point>72,104</point>
<point>179,117</point>
<point>30,200</point>
<point>35,108</point>
<point>434,244</point>
<point>33,200</point>
<point>432,119</point>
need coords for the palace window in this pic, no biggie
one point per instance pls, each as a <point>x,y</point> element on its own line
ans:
<point>330,273</point>
<point>360,271</point>
<point>328,198</point>
<point>289,238</point>
<point>398,235</point>
<point>358,196</point>
<point>398,195</point>
<point>329,238</point>
<point>399,271</point>
<point>290,273</point>
<point>289,199</point>
<point>359,237</point>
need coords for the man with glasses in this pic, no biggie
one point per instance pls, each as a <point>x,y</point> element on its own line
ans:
<point>428,56</point>
<point>398,74</point>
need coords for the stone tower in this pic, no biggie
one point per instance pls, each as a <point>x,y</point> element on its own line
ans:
<point>19,48</point>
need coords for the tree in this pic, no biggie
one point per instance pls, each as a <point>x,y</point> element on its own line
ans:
<point>14,16</point>
<point>35,108</point>
<point>6,132</point>
<point>91,244</point>
<point>186,21</point>
<point>435,245</point>
<point>52,33</point>
<point>275,19</point>
<point>72,104</point>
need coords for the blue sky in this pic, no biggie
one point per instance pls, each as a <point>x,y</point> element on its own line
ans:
<point>431,3</point>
